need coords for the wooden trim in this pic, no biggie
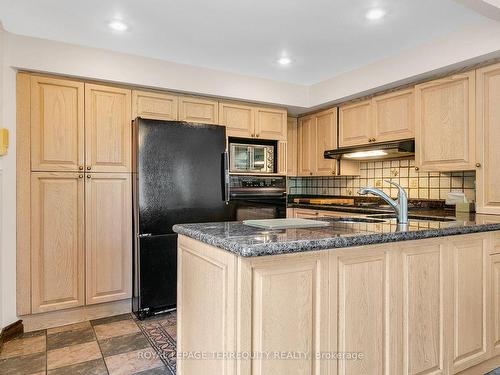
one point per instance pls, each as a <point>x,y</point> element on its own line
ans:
<point>11,331</point>
<point>58,318</point>
<point>23,194</point>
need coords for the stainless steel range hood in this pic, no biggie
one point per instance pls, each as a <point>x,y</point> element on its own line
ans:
<point>376,151</point>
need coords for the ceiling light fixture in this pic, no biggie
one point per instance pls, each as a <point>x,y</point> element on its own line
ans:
<point>375,14</point>
<point>117,25</point>
<point>284,61</point>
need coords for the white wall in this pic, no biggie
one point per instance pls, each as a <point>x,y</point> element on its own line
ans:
<point>55,57</point>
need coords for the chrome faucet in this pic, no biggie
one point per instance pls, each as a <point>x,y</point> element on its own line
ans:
<point>400,206</point>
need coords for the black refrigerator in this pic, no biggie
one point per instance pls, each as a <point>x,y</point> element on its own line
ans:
<point>180,175</point>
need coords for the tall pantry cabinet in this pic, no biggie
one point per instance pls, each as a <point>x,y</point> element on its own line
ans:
<point>78,215</point>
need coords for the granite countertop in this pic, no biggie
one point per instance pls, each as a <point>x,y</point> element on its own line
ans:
<point>247,241</point>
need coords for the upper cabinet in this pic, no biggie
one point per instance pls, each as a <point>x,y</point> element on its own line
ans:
<point>195,109</point>
<point>57,125</point>
<point>253,122</point>
<point>445,124</point>
<point>107,129</point>
<point>394,116</point>
<point>154,105</point>
<point>306,146</point>
<point>488,134</point>
<point>355,124</point>
<point>291,162</point>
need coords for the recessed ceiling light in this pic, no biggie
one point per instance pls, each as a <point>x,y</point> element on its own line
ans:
<point>284,61</point>
<point>118,26</point>
<point>375,14</point>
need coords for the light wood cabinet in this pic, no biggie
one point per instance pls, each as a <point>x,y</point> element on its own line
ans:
<point>108,223</point>
<point>108,129</point>
<point>200,110</point>
<point>394,116</point>
<point>270,123</point>
<point>488,134</point>
<point>57,241</point>
<point>306,135</point>
<point>355,124</point>
<point>291,161</point>
<point>282,157</point>
<point>445,124</point>
<point>238,119</point>
<point>246,121</point>
<point>154,105</point>
<point>494,339</point>
<point>469,294</point>
<point>57,125</point>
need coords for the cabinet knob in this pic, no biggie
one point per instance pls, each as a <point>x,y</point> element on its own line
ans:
<point>333,172</point>
<point>89,168</point>
<point>417,168</point>
<point>478,165</point>
<point>80,176</point>
<point>310,173</point>
<point>89,176</point>
<point>373,139</point>
<point>80,168</point>
<point>369,139</point>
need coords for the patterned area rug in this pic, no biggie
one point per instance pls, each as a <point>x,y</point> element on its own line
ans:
<point>161,331</point>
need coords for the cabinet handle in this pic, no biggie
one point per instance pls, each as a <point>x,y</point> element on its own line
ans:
<point>373,139</point>
<point>89,176</point>
<point>80,168</point>
<point>478,165</point>
<point>80,176</point>
<point>89,168</point>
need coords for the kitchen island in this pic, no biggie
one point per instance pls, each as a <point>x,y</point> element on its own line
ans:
<point>354,297</point>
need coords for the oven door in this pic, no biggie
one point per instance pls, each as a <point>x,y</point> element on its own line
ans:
<point>253,208</point>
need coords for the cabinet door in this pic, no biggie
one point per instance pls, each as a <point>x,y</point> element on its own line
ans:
<point>326,139</point>
<point>355,124</point>
<point>282,157</point>
<point>239,120</point>
<point>306,146</point>
<point>57,136</point>
<point>495,305</point>
<point>359,292</point>
<point>57,252</point>
<point>108,213</point>
<point>488,134</point>
<point>290,312</point>
<point>193,109</point>
<point>270,123</point>
<point>423,270</point>
<point>291,162</point>
<point>108,129</point>
<point>305,213</point>
<point>469,296</point>
<point>154,105</point>
<point>445,124</point>
<point>394,116</point>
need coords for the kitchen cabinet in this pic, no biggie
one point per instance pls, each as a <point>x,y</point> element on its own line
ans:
<point>445,124</point>
<point>494,339</point>
<point>488,134</point>
<point>244,121</point>
<point>107,129</point>
<point>57,241</point>
<point>57,124</point>
<point>306,150</point>
<point>469,299</point>
<point>394,116</point>
<point>282,157</point>
<point>200,110</point>
<point>326,139</point>
<point>355,124</point>
<point>291,155</point>
<point>108,244</point>
<point>154,105</point>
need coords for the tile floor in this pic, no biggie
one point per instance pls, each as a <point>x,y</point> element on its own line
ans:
<point>114,346</point>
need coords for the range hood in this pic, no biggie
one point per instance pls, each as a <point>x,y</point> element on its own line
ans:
<point>376,151</point>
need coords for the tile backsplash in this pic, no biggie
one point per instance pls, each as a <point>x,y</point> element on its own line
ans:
<point>422,185</point>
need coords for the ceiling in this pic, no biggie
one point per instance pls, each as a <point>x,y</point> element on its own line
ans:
<point>323,38</point>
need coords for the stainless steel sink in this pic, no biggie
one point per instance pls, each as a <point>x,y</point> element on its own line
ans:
<point>415,217</point>
<point>356,220</point>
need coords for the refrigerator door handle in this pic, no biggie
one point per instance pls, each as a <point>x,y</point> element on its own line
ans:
<point>225,177</point>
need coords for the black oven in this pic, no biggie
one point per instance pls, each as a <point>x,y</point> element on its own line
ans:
<point>258,197</point>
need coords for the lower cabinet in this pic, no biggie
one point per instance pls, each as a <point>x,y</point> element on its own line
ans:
<point>81,233</point>
<point>494,339</point>
<point>108,237</point>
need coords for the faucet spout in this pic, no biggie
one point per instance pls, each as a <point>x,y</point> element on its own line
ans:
<point>400,206</point>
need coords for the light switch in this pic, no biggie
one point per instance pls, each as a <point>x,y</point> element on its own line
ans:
<point>4,141</point>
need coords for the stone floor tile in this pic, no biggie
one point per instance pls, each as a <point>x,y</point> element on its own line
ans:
<point>68,338</point>
<point>94,367</point>
<point>23,365</point>
<point>123,344</point>
<point>119,328</point>
<point>111,319</point>
<point>23,346</point>
<point>74,354</point>
<point>133,362</point>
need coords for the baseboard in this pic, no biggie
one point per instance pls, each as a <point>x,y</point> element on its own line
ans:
<point>35,322</point>
<point>483,368</point>
<point>11,331</point>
